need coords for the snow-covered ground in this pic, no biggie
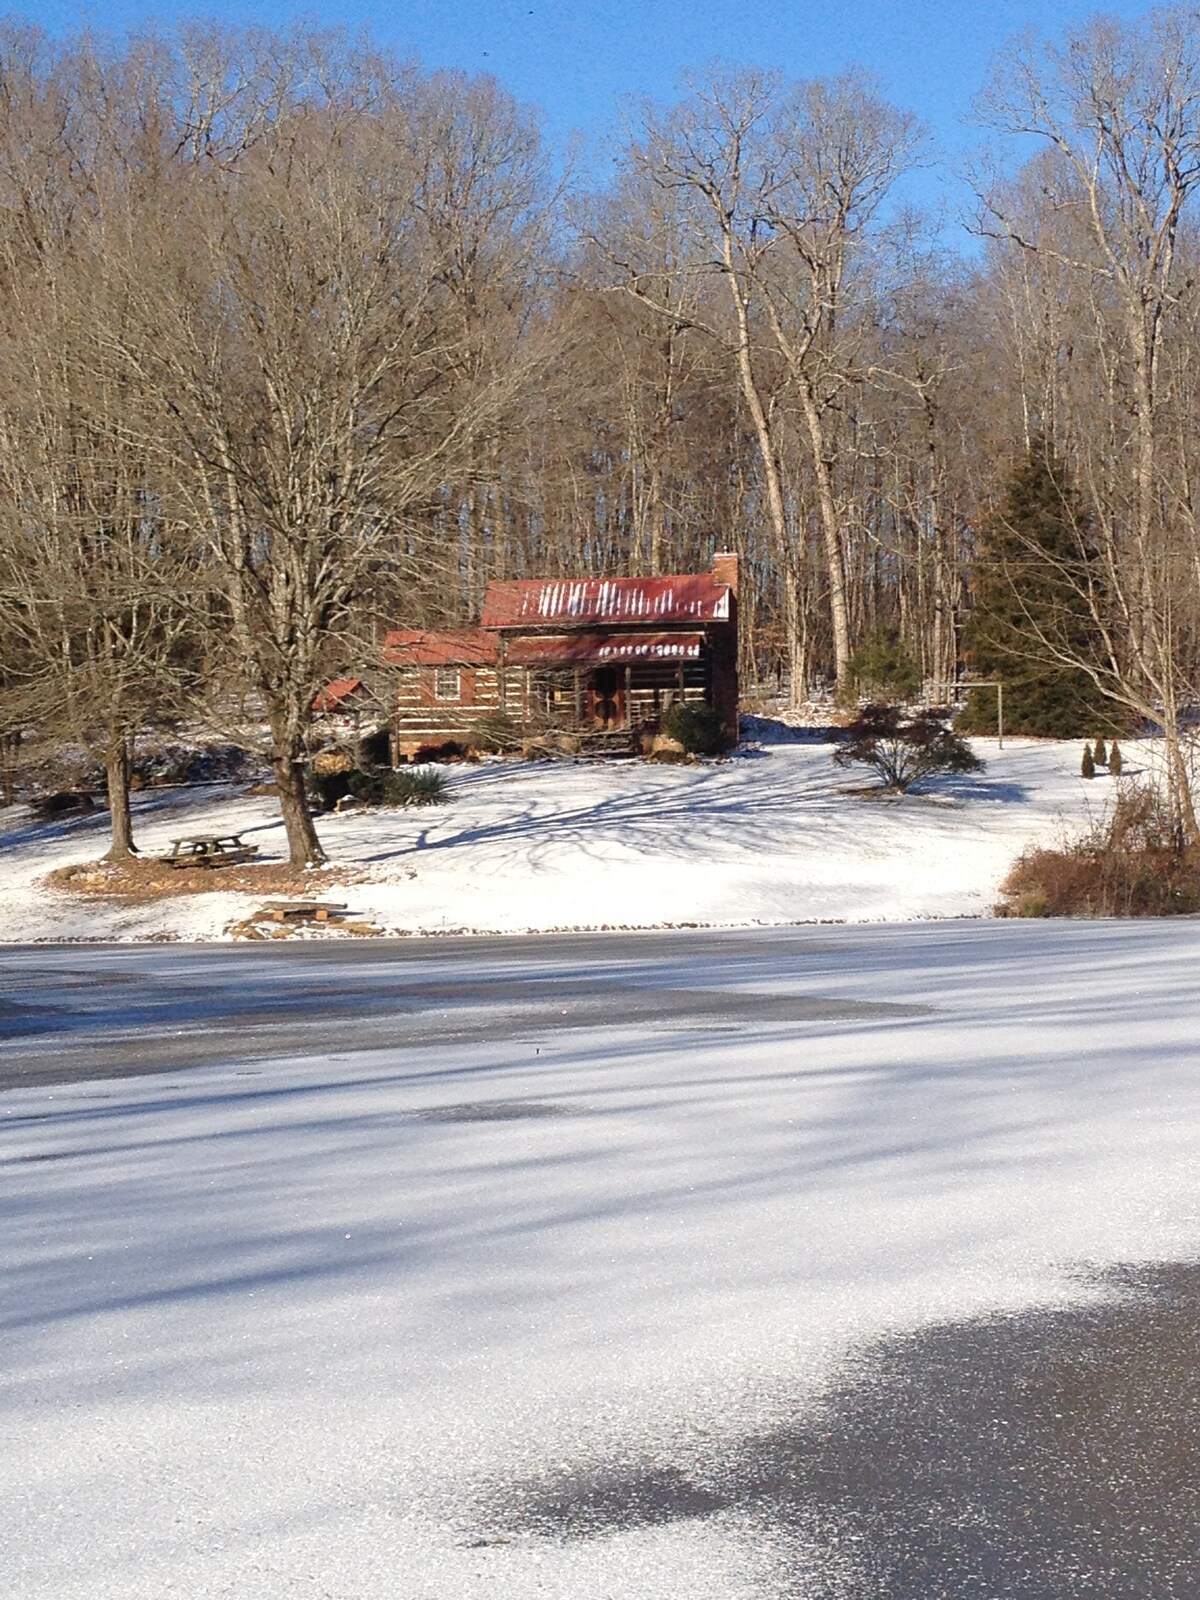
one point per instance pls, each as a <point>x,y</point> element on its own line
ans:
<point>773,836</point>
<point>298,1328</point>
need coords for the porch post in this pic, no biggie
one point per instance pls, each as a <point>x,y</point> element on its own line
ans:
<point>628,677</point>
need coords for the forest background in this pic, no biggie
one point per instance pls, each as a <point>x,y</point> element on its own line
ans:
<point>302,342</point>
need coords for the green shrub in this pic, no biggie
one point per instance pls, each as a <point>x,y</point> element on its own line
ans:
<point>1100,754</point>
<point>410,786</point>
<point>881,668</point>
<point>1087,767</point>
<point>697,727</point>
<point>1116,762</point>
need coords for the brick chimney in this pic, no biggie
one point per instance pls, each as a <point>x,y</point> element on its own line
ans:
<point>725,568</point>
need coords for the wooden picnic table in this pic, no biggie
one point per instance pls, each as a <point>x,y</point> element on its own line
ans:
<point>211,850</point>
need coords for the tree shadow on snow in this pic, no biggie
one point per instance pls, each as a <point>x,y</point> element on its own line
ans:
<point>700,815</point>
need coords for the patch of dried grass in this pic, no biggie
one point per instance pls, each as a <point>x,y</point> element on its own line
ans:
<point>144,879</point>
<point>1129,864</point>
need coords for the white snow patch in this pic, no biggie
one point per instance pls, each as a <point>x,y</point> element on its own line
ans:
<point>770,837</point>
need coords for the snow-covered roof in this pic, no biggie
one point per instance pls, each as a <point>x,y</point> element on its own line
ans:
<point>580,649</point>
<point>584,602</point>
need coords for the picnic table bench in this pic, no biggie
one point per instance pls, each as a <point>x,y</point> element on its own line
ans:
<point>302,917</point>
<point>211,850</point>
<point>304,910</point>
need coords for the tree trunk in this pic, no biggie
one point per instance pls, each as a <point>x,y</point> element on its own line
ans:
<point>9,745</point>
<point>797,639</point>
<point>656,518</point>
<point>304,848</point>
<point>1178,780</point>
<point>116,770</point>
<point>831,530</point>
<point>763,432</point>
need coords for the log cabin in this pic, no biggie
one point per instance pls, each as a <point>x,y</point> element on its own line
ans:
<point>602,658</point>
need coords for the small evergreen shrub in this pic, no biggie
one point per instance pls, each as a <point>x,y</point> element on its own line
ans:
<point>409,786</point>
<point>1132,863</point>
<point>882,669</point>
<point>1116,762</point>
<point>1087,767</point>
<point>697,728</point>
<point>904,750</point>
<point>1100,754</point>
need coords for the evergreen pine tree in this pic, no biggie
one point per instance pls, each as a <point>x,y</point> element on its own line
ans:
<point>1032,557</point>
<point>1116,762</point>
<point>1087,766</point>
<point>1100,754</point>
<point>882,668</point>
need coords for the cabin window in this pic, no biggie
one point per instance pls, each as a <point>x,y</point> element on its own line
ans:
<point>552,694</point>
<point>447,683</point>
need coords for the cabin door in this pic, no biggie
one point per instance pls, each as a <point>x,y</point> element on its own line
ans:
<point>606,698</point>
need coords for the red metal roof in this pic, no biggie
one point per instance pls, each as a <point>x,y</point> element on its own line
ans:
<point>459,647</point>
<point>583,602</point>
<point>581,649</point>
<point>332,695</point>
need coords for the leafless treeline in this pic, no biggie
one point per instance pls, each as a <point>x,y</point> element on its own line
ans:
<point>299,341</point>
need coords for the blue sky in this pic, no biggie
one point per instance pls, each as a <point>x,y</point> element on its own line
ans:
<point>579,63</point>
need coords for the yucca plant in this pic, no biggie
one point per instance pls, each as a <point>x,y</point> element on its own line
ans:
<point>410,786</point>
<point>413,786</point>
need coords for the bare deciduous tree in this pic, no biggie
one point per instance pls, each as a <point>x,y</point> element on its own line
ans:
<point>89,583</point>
<point>299,331</point>
<point>1119,109</point>
<point>782,184</point>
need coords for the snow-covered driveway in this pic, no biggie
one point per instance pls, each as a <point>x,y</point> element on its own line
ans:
<point>318,1316</point>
